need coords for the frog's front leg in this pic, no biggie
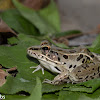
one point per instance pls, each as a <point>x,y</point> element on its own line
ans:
<point>39,67</point>
<point>59,79</point>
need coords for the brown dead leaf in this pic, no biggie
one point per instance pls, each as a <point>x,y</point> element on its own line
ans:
<point>3,75</point>
<point>13,71</point>
<point>62,40</point>
<point>73,36</point>
<point>35,4</point>
<point>5,32</point>
<point>9,71</point>
<point>6,29</point>
<point>6,4</point>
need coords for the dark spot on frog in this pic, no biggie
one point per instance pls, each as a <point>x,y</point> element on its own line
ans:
<point>92,56</point>
<point>34,49</point>
<point>65,56</point>
<point>42,57</point>
<point>70,66</point>
<point>56,53</point>
<point>80,78</point>
<point>79,70</point>
<point>57,68</point>
<point>91,77</point>
<point>92,68</point>
<point>52,51</point>
<point>31,49</point>
<point>84,67</point>
<point>86,77</point>
<point>94,74</point>
<point>58,59</point>
<point>48,55</point>
<point>64,63</point>
<point>74,66</point>
<point>88,58</point>
<point>34,53</point>
<point>83,60</point>
<point>46,59</point>
<point>80,57</point>
<point>98,69</point>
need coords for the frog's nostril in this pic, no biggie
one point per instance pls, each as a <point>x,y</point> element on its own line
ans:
<point>28,51</point>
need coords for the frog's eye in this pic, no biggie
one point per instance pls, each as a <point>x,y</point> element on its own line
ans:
<point>45,48</point>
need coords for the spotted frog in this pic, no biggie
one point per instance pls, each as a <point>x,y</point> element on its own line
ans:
<point>71,65</point>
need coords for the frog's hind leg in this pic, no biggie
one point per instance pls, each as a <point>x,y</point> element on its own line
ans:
<point>85,72</point>
<point>59,79</point>
<point>38,68</point>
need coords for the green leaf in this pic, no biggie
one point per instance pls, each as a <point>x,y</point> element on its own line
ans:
<point>39,19</point>
<point>50,97</point>
<point>35,95</point>
<point>68,95</point>
<point>51,15</point>
<point>87,86</point>
<point>15,97</point>
<point>17,22</point>
<point>66,33</point>
<point>52,88</point>
<point>96,45</point>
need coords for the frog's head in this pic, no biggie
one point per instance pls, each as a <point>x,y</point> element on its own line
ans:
<point>39,51</point>
<point>34,51</point>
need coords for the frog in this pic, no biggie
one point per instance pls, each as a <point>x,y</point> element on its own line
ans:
<point>74,65</point>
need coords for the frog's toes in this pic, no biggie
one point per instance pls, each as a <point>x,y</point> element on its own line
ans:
<point>53,82</point>
<point>33,67</point>
<point>38,68</point>
<point>48,81</point>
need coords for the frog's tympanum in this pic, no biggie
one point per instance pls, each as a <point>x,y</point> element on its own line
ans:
<point>72,65</point>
